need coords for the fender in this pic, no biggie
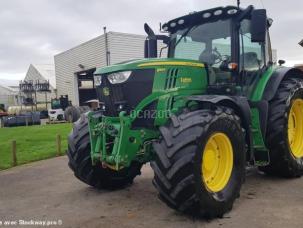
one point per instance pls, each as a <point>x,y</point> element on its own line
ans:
<point>262,107</point>
<point>277,77</point>
<point>241,107</point>
<point>270,91</point>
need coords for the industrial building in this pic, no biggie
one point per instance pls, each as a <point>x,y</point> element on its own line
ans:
<point>37,75</point>
<point>9,94</point>
<point>42,73</point>
<point>74,67</point>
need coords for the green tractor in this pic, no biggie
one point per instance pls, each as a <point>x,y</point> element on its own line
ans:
<point>214,106</point>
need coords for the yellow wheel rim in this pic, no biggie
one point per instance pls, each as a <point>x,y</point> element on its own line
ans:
<point>217,162</point>
<point>295,128</point>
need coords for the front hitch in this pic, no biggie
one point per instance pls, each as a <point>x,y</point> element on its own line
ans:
<point>115,144</point>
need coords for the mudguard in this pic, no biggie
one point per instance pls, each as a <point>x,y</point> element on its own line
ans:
<point>277,77</point>
<point>270,91</point>
<point>241,107</point>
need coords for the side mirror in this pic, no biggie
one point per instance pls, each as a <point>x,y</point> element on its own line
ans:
<point>281,62</point>
<point>151,43</point>
<point>258,25</point>
<point>150,33</point>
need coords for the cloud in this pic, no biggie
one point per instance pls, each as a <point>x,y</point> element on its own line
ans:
<point>32,31</point>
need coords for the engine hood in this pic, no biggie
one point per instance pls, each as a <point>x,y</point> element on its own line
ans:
<point>148,63</point>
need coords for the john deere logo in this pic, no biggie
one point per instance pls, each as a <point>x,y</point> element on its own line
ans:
<point>106,91</point>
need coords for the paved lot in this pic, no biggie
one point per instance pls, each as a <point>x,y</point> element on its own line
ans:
<point>47,190</point>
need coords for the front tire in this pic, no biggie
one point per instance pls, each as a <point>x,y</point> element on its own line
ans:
<point>285,130</point>
<point>81,164</point>
<point>193,147</point>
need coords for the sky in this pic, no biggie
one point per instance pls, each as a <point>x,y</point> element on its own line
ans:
<point>33,31</point>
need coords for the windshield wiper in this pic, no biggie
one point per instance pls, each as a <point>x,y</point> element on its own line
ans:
<point>184,34</point>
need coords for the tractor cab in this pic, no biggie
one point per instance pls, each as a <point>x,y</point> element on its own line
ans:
<point>58,106</point>
<point>232,42</point>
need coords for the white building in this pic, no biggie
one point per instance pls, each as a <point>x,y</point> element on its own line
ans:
<point>74,67</point>
<point>8,96</point>
<point>42,73</point>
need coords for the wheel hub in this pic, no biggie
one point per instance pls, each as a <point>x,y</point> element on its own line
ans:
<point>295,128</point>
<point>217,162</point>
<point>210,157</point>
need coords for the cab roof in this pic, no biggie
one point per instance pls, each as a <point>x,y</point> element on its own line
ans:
<point>213,14</point>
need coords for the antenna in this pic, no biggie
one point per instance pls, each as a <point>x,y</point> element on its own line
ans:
<point>238,3</point>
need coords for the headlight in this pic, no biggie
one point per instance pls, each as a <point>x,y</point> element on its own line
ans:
<point>119,77</point>
<point>98,80</point>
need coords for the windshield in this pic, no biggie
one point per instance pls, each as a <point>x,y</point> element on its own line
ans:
<point>209,43</point>
<point>56,104</point>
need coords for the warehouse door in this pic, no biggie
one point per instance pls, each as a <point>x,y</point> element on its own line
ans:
<point>86,86</point>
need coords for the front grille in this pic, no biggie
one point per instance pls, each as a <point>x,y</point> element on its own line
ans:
<point>128,94</point>
<point>171,78</point>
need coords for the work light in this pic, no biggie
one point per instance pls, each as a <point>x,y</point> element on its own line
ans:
<point>218,12</point>
<point>206,15</point>
<point>232,11</point>
<point>97,80</point>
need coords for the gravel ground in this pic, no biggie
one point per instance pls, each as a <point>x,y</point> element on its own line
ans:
<point>48,191</point>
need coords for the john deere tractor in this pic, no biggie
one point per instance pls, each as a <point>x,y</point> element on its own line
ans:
<point>215,105</point>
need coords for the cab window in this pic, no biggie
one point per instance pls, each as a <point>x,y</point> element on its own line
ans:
<point>189,49</point>
<point>251,53</point>
<point>209,43</point>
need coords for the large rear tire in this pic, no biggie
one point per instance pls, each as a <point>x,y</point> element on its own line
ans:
<point>200,162</point>
<point>285,130</point>
<point>71,114</point>
<point>81,164</point>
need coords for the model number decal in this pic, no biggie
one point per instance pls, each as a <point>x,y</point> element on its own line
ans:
<point>161,70</point>
<point>186,80</point>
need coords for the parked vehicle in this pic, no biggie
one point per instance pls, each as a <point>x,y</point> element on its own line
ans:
<point>2,110</point>
<point>199,116</point>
